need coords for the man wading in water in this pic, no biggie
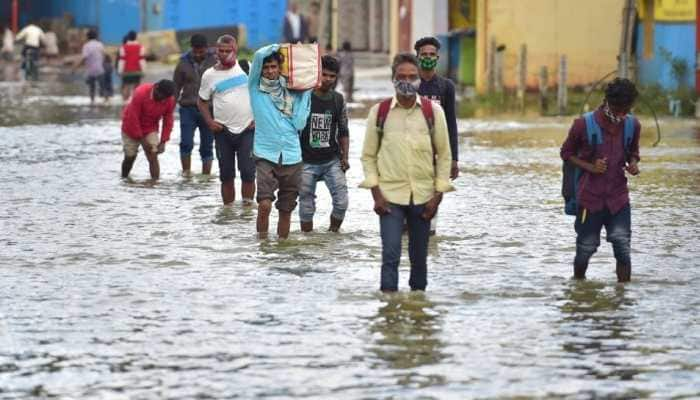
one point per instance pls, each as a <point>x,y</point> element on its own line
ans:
<point>226,85</point>
<point>280,114</point>
<point>149,104</point>
<point>406,159</point>
<point>187,77</point>
<point>602,197</point>
<point>441,91</point>
<point>324,146</point>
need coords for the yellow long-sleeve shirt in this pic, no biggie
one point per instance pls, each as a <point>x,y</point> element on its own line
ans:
<point>403,165</point>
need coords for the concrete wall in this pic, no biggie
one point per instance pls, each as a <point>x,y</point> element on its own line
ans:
<point>429,18</point>
<point>588,32</point>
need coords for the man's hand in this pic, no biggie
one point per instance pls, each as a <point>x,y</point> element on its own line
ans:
<point>381,206</point>
<point>215,126</point>
<point>454,171</point>
<point>632,167</point>
<point>161,148</point>
<point>599,166</point>
<point>431,207</point>
<point>344,164</point>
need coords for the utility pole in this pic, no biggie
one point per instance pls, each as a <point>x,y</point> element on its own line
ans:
<point>628,17</point>
<point>15,16</point>
<point>697,57</point>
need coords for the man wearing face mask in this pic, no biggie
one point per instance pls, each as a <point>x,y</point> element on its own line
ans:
<point>225,84</point>
<point>406,161</point>
<point>280,114</point>
<point>602,196</point>
<point>441,91</point>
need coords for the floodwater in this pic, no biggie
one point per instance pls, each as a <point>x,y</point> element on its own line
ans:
<point>116,289</point>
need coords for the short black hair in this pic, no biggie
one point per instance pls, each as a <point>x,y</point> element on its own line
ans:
<point>402,58</point>
<point>197,41</point>
<point>276,56</point>
<point>621,92</point>
<point>330,63</point>
<point>92,34</point>
<point>165,87</point>
<point>131,35</point>
<point>347,46</point>
<point>428,40</point>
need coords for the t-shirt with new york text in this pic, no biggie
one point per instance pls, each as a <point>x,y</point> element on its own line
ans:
<point>327,122</point>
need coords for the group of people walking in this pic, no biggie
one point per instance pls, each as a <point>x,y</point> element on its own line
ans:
<point>282,142</point>
<point>130,65</point>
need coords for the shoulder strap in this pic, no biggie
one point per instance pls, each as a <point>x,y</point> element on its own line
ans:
<point>593,133</point>
<point>426,106</point>
<point>628,132</point>
<point>382,113</point>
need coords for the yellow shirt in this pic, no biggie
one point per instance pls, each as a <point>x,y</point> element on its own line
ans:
<point>403,168</point>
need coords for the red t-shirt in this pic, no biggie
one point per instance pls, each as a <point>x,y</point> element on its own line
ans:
<point>131,55</point>
<point>142,114</point>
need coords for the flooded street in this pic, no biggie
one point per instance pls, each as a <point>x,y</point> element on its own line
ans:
<point>128,290</point>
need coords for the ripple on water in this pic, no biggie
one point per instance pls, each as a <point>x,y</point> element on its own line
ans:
<point>128,289</point>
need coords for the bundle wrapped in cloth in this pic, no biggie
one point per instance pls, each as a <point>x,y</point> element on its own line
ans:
<point>301,65</point>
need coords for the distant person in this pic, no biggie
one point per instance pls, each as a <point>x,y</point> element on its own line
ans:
<point>406,160</point>
<point>441,91</point>
<point>280,114</point>
<point>295,25</point>
<point>51,46</point>
<point>225,86</point>
<point>33,38</point>
<point>187,77</point>
<point>132,64</point>
<point>313,22</point>
<point>325,146</point>
<point>347,70</point>
<point>603,156</point>
<point>7,53</point>
<point>150,103</point>
<point>93,57</point>
<point>107,87</point>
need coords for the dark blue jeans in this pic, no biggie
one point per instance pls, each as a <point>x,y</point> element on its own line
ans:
<point>191,119</point>
<point>391,228</point>
<point>618,229</point>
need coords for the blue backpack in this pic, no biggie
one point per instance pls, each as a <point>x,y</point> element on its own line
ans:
<point>572,174</point>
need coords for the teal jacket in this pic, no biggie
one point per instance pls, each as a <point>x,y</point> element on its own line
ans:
<point>275,133</point>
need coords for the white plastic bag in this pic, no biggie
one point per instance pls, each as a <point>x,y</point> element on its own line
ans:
<point>301,65</point>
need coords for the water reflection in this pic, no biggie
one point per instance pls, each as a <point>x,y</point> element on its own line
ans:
<point>598,327</point>
<point>405,328</point>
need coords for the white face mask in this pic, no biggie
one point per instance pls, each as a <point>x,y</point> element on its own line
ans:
<point>406,88</point>
<point>611,116</point>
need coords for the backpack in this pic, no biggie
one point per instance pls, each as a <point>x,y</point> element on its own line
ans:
<point>426,107</point>
<point>571,174</point>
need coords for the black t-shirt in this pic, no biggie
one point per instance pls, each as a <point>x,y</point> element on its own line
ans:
<point>327,122</point>
<point>442,91</point>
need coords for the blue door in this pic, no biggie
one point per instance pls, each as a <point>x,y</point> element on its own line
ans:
<point>153,14</point>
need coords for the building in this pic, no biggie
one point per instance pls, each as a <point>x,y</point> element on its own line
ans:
<point>260,20</point>
<point>666,35</point>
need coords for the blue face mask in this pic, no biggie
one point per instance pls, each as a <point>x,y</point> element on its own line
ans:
<point>407,88</point>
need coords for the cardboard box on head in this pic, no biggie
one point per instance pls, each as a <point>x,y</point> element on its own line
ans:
<point>301,65</point>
